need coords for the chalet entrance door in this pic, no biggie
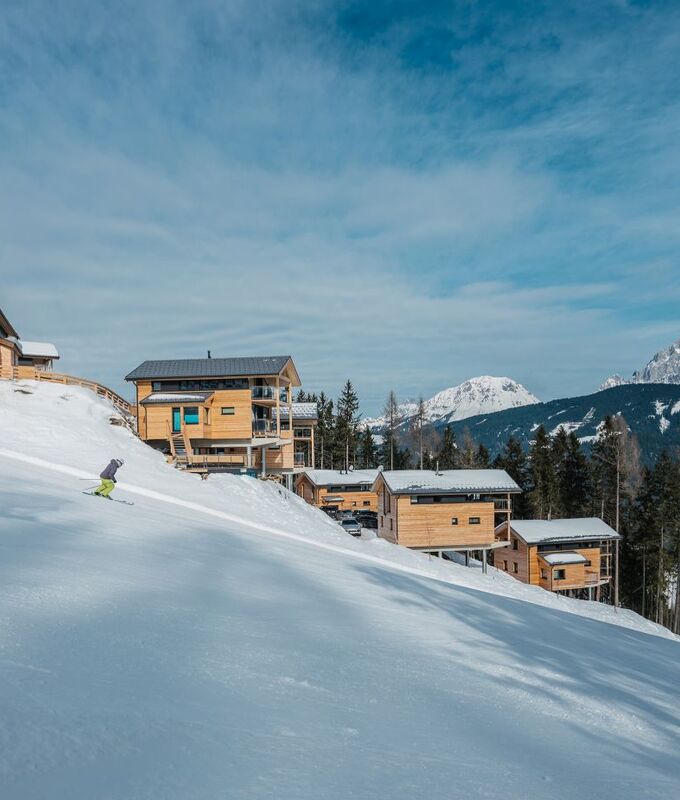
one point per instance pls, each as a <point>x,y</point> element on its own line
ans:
<point>176,420</point>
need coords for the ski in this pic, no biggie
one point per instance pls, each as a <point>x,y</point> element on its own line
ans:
<point>124,502</point>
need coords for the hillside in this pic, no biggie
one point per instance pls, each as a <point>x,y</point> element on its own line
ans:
<point>651,410</point>
<point>221,639</point>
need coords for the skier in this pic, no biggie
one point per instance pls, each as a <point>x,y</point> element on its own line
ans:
<point>108,476</point>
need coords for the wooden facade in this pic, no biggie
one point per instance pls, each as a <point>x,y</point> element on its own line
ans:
<point>580,564</point>
<point>337,490</point>
<point>220,414</point>
<point>433,512</point>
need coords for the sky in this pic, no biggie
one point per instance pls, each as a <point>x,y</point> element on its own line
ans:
<point>406,194</point>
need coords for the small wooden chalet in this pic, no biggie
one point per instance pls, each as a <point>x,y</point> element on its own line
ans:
<point>574,557</point>
<point>16,353</point>
<point>435,512</point>
<point>219,414</point>
<point>338,490</point>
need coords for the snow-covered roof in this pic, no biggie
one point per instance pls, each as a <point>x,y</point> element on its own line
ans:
<point>412,481</point>
<point>161,398</point>
<point>37,349</point>
<point>334,477</point>
<point>209,367</point>
<point>563,558</point>
<point>555,530</point>
<point>300,411</point>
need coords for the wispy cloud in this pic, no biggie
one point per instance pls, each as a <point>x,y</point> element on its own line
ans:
<point>404,198</point>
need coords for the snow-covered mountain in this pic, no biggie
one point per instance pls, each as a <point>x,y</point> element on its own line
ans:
<point>482,395</point>
<point>664,367</point>
<point>221,638</point>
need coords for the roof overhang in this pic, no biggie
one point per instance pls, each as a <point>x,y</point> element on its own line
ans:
<point>7,325</point>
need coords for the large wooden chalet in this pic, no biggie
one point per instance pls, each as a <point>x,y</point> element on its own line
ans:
<point>457,510</point>
<point>16,353</point>
<point>574,557</point>
<point>225,413</point>
<point>338,490</point>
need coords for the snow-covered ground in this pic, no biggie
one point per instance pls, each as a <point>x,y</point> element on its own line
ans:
<point>221,639</point>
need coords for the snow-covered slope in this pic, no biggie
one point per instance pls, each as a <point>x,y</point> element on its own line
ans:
<point>482,395</point>
<point>664,367</point>
<point>222,639</point>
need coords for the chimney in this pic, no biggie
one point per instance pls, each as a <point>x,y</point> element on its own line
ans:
<point>209,356</point>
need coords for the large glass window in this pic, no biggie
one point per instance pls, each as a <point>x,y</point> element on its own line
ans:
<point>191,415</point>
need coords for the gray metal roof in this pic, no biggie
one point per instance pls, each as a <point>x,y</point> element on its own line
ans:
<point>209,367</point>
<point>300,411</point>
<point>450,480</point>
<point>170,398</point>
<point>534,531</point>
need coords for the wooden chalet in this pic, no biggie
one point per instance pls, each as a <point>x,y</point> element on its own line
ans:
<point>339,490</point>
<point>574,557</point>
<point>17,353</point>
<point>435,512</point>
<point>220,414</point>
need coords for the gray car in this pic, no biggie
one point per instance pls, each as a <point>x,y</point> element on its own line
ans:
<point>351,526</point>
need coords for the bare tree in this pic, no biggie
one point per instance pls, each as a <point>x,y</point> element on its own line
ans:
<point>392,420</point>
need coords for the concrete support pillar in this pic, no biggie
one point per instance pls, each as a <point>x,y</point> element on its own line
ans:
<point>249,456</point>
<point>263,456</point>
<point>484,566</point>
<point>467,558</point>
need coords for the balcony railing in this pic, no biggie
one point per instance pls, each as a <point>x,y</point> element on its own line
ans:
<point>300,459</point>
<point>302,433</point>
<point>501,505</point>
<point>268,393</point>
<point>264,427</point>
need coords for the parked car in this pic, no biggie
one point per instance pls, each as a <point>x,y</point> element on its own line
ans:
<point>369,522</point>
<point>331,512</point>
<point>351,526</point>
<point>344,514</point>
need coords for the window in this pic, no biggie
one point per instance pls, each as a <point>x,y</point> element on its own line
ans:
<point>544,574</point>
<point>207,416</point>
<point>156,386</point>
<point>515,543</point>
<point>474,521</point>
<point>587,563</point>
<point>454,520</point>
<point>505,566</point>
<point>559,574</point>
<point>515,567</point>
<point>354,504</point>
<point>191,415</point>
<point>367,502</point>
<point>391,526</point>
<point>227,411</point>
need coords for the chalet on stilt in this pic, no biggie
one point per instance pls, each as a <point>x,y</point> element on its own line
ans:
<point>574,557</point>
<point>453,510</point>
<point>338,490</point>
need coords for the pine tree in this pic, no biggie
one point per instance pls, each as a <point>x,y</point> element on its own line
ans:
<point>573,475</point>
<point>448,451</point>
<point>419,425</point>
<point>482,459</point>
<point>514,461</point>
<point>324,432</point>
<point>301,397</point>
<point>467,456</point>
<point>346,426</point>
<point>368,450</point>
<point>543,496</point>
<point>392,420</point>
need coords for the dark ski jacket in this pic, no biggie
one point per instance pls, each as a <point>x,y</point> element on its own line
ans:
<point>109,473</point>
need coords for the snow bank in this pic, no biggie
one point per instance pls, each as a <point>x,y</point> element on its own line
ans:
<point>223,639</point>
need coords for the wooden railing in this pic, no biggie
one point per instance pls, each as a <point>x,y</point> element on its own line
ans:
<point>215,460</point>
<point>33,374</point>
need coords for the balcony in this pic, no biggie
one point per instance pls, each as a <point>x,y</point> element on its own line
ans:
<point>265,427</point>
<point>302,433</point>
<point>268,393</point>
<point>300,459</point>
<point>502,505</point>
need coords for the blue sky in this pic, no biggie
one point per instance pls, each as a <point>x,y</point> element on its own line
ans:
<point>404,193</point>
